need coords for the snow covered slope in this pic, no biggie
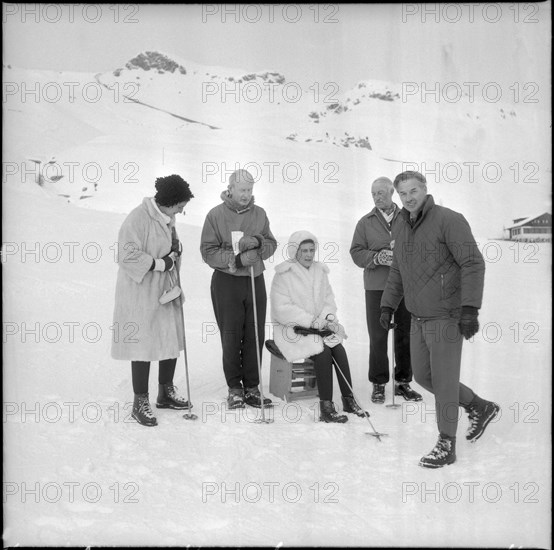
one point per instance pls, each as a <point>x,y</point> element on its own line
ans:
<point>120,132</point>
<point>79,471</point>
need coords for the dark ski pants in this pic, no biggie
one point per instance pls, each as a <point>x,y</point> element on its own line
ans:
<point>141,373</point>
<point>323,365</point>
<point>234,312</point>
<point>436,346</point>
<point>378,341</point>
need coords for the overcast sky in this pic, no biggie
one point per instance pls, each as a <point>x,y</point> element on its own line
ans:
<point>306,42</point>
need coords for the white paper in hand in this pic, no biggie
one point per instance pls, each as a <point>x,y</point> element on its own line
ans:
<point>236,236</point>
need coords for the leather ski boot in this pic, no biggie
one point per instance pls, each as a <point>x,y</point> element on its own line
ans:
<point>142,412</point>
<point>329,414</point>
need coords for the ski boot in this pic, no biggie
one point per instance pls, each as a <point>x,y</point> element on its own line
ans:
<point>168,398</point>
<point>481,413</point>
<point>349,405</point>
<point>403,389</point>
<point>235,399</point>
<point>142,412</point>
<point>378,395</point>
<point>253,398</point>
<point>443,453</point>
<point>329,414</point>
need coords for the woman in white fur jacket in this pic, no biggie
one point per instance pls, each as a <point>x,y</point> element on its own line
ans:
<point>302,296</point>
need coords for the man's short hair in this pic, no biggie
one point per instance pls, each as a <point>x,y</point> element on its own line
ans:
<point>410,174</point>
<point>383,179</point>
<point>240,175</point>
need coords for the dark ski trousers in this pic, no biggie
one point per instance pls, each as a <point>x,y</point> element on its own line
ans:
<point>378,341</point>
<point>436,346</point>
<point>234,312</point>
<point>141,373</point>
<point>323,365</point>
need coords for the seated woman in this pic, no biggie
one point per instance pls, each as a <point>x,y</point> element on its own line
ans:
<point>302,298</point>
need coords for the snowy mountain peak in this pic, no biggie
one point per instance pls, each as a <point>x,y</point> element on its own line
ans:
<point>366,91</point>
<point>264,76</point>
<point>154,61</point>
<point>164,63</point>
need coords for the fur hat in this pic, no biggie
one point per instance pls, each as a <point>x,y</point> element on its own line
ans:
<point>172,190</point>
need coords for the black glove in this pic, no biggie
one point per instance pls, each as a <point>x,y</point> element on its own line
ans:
<point>469,325</point>
<point>163,264</point>
<point>169,262</point>
<point>175,243</point>
<point>176,247</point>
<point>386,318</point>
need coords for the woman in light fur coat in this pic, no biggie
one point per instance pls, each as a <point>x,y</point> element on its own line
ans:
<point>146,328</point>
<point>301,296</point>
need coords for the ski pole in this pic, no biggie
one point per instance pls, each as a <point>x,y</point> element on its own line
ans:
<point>255,305</point>
<point>366,415</point>
<point>393,405</point>
<point>188,415</point>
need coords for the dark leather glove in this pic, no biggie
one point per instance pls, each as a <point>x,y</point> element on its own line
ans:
<point>386,318</point>
<point>163,264</point>
<point>469,325</point>
<point>176,247</point>
<point>169,261</point>
<point>249,243</point>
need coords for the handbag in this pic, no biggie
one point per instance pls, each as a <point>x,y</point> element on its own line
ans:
<point>172,293</point>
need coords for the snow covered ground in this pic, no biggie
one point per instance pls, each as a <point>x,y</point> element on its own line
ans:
<point>78,470</point>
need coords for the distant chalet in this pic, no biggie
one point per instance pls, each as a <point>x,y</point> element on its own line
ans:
<point>532,229</point>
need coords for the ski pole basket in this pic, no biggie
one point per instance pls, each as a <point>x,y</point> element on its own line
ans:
<point>290,381</point>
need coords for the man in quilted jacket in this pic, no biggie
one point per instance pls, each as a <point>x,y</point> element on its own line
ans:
<point>439,271</point>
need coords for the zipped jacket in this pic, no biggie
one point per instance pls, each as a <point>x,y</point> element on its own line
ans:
<point>216,239</point>
<point>436,265</point>
<point>371,235</point>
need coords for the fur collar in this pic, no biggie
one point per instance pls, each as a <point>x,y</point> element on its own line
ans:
<point>289,265</point>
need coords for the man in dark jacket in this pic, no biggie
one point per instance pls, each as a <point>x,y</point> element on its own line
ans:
<point>440,272</point>
<point>371,250</point>
<point>236,236</point>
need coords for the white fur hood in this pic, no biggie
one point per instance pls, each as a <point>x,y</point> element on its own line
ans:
<point>292,248</point>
